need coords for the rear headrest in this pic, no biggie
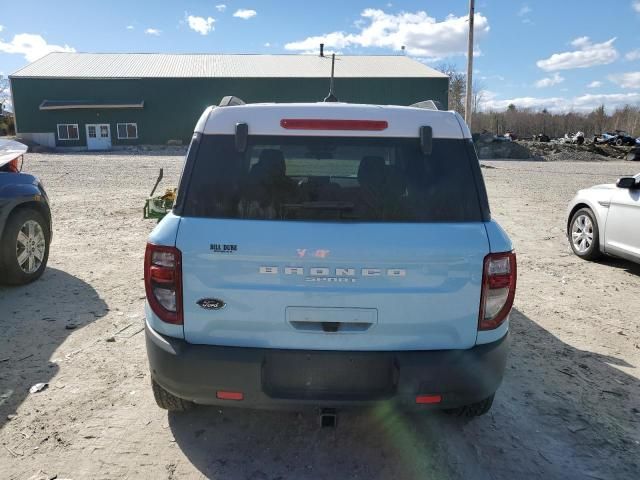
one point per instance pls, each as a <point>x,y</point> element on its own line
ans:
<point>371,170</point>
<point>270,164</point>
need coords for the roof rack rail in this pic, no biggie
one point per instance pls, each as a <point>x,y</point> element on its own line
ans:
<point>428,105</point>
<point>231,101</point>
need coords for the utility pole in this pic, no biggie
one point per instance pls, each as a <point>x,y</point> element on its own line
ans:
<point>467,110</point>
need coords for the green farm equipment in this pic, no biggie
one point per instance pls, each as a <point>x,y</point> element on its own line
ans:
<point>157,207</point>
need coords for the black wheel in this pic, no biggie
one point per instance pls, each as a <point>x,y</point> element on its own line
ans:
<point>169,401</point>
<point>584,236</point>
<point>473,410</point>
<point>24,248</point>
<point>619,142</point>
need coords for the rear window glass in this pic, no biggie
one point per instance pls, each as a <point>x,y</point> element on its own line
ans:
<point>331,178</point>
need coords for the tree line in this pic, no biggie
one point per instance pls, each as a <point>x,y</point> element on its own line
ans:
<point>526,122</point>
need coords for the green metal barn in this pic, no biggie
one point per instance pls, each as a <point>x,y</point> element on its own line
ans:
<point>105,100</point>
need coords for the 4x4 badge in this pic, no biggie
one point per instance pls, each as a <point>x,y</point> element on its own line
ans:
<point>211,303</point>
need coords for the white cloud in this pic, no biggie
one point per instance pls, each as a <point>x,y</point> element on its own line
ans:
<point>245,14</point>
<point>267,44</point>
<point>129,27</point>
<point>221,8</point>
<point>490,77</point>
<point>636,5</point>
<point>200,24</point>
<point>421,34</point>
<point>588,55</point>
<point>524,10</point>
<point>32,46</point>
<point>581,42</point>
<point>153,31</point>
<point>549,81</point>
<point>582,103</point>
<point>633,54</point>
<point>595,84</point>
<point>1,28</point>
<point>626,80</point>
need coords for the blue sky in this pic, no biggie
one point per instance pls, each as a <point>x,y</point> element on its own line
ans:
<point>559,55</point>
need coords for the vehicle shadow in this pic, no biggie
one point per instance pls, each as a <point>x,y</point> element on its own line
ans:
<point>561,412</point>
<point>626,265</point>
<point>35,320</point>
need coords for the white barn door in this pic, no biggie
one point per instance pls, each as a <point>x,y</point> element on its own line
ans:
<point>98,136</point>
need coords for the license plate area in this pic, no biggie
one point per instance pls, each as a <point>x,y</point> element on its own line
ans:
<point>329,375</point>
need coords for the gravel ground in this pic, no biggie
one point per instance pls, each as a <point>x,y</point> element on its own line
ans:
<point>569,406</point>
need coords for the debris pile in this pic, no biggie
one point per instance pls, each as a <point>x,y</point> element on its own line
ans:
<point>490,147</point>
<point>588,151</point>
<point>493,147</point>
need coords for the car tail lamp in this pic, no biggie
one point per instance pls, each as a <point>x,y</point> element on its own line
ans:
<point>498,289</point>
<point>328,124</point>
<point>13,166</point>
<point>163,282</point>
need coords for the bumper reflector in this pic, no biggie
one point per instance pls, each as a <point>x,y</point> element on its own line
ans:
<point>224,395</point>
<point>426,399</point>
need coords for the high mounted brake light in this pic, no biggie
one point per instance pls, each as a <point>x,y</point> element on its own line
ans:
<point>163,282</point>
<point>498,289</point>
<point>324,124</point>
<point>428,399</point>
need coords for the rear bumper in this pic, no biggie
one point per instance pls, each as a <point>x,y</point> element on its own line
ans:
<point>272,378</point>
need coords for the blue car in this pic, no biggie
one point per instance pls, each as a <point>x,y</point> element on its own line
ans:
<point>329,255</point>
<point>25,219</point>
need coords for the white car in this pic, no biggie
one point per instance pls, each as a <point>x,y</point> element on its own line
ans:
<point>605,219</point>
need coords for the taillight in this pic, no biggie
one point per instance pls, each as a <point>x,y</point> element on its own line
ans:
<point>13,166</point>
<point>498,289</point>
<point>163,282</point>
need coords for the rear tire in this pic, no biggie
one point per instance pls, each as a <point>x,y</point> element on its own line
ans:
<point>472,410</point>
<point>168,401</point>
<point>24,247</point>
<point>584,236</point>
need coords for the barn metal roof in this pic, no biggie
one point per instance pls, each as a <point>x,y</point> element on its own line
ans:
<point>162,65</point>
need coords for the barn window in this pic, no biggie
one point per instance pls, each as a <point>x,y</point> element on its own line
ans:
<point>68,131</point>
<point>127,131</point>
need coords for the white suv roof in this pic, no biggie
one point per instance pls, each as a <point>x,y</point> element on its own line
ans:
<point>266,118</point>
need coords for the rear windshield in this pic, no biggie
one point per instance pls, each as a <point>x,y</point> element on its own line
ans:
<point>331,178</point>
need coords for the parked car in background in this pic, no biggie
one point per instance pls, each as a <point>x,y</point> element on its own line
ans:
<point>329,255</point>
<point>605,219</point>
<point>25,219</point>
<point>618,137</point>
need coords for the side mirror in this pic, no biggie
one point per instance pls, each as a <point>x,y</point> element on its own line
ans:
<point>626,182</point>
<point>242,135</point>
<point>426,139</point>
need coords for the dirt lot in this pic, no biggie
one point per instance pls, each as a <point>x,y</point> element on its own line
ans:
<point>569,406</point>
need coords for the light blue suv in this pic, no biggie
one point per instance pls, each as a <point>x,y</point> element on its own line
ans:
<point>329,255</point>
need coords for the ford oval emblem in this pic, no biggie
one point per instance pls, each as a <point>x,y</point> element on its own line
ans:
<point>211,303</point>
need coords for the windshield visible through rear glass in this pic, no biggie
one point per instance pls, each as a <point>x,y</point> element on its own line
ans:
<point>333,179</point>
